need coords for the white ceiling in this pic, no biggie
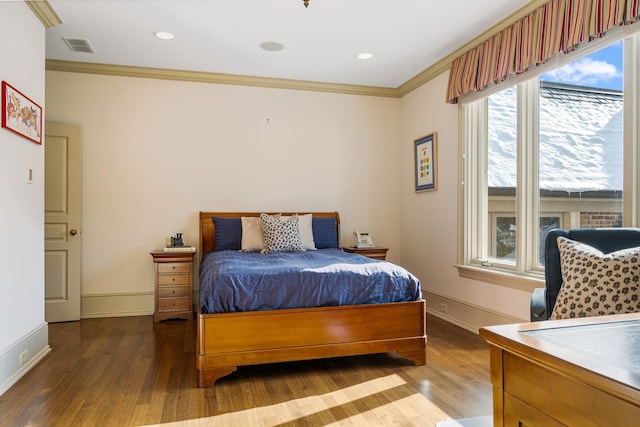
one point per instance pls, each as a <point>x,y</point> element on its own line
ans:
<point>320,42</point>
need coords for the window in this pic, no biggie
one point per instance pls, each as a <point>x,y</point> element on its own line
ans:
<point>502,172</point>
<point>548,153</point>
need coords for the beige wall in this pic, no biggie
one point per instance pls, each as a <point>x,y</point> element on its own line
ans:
<point>22,325</point>
<point>157,152</point>
<point>430,220</point>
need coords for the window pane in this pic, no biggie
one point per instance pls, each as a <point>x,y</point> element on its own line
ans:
<point>581,141</point>
<point>505,238</point>
<point>546,223</point>
<point>502,175</point>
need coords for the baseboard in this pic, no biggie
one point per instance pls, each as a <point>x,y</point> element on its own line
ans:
<point>36,346</point>
<point>117,305</point>
<point>466,315</point>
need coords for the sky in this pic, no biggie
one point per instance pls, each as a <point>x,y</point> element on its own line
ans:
<point>601,69</point>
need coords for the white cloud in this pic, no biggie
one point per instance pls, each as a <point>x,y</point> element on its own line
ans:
<point>584,72</point>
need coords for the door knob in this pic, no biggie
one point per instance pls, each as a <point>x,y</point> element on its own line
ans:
<point>73,232</point>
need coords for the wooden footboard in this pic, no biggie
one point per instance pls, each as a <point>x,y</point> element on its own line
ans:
<point>229,340</point>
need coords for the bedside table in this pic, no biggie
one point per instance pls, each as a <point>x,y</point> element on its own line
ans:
<point>375,252</point>
<point>173,285</point>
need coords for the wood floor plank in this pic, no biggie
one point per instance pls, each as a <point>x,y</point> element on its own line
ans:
<point>134,372</point>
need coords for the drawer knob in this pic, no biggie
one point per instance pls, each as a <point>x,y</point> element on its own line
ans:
<point>174,292</point>
<point>173,279</point>
<point>173,266</point>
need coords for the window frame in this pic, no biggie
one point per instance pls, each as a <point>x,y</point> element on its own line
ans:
<point>525,273</point>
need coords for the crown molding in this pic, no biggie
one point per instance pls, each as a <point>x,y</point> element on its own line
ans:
<point>217,78</point>
<point>47,15</point>
<point>44,12</point>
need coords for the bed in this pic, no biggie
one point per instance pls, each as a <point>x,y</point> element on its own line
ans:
<point>234,336</point>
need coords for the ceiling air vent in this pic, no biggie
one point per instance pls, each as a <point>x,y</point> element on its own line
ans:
<point>78,45</point>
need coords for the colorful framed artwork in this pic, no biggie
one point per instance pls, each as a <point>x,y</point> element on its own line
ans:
<point>426,162</point>
<point>20,114</point>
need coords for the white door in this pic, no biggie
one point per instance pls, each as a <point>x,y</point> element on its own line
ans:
<point>62,217</point>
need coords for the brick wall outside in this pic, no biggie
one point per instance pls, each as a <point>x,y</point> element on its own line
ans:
<point>600,219</point>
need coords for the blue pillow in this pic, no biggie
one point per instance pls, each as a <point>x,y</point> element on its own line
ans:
<point>325,233</point>
<point>228,233</point>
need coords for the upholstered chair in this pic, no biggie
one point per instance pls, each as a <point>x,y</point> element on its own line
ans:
<point>606,240</point>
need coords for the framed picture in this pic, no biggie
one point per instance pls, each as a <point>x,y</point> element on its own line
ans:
<point>20,114</point>
<point>426,162</point>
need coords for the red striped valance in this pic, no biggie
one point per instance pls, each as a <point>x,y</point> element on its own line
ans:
<point>559,26</point>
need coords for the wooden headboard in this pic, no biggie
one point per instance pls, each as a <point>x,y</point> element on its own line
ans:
<point>208,233</point>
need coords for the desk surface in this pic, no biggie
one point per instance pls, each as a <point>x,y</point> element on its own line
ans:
<point>606,346</point>
<point>615,343</point>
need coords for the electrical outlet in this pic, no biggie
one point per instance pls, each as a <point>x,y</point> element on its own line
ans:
<point>24,356</point>
<point>443,308</point>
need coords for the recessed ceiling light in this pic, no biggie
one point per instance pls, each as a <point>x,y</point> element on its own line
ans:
<point>272,46</point>
<point>164,35</point>
<point>365,55</point>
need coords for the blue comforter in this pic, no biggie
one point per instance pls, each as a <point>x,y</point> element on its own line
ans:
<point>232,281</point>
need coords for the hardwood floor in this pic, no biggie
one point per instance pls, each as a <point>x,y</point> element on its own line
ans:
<point>131,372</point>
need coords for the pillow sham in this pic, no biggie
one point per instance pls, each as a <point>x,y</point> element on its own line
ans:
<point>325,235</point>
<point>596,284</point>
<point>228,233</point>
<point>252,234</point>
<point>305,225</point>
<point>281,236</point>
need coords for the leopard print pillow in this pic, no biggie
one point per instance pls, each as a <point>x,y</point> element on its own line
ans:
<point>597,284</point>
<point>279,235</point>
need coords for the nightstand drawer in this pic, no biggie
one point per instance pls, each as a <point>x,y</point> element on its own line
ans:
<point>173,304</point>
<point>174,279</point>
<point>173,285</point>
<point>173,291</point>
<point>173,267</point>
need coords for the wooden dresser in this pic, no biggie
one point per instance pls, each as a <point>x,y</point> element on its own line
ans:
<point>578,372</point>
<point>173,285</point>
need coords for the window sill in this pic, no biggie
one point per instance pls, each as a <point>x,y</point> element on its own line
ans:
<point>507,279</point>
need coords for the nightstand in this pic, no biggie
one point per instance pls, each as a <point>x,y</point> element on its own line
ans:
<point>375,252</point>
<point>173,285</point>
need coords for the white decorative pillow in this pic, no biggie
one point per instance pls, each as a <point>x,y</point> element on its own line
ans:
<point>252,234</point>
<point>281,236</point>
<point>596,284</point>
<point>306,230</point>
